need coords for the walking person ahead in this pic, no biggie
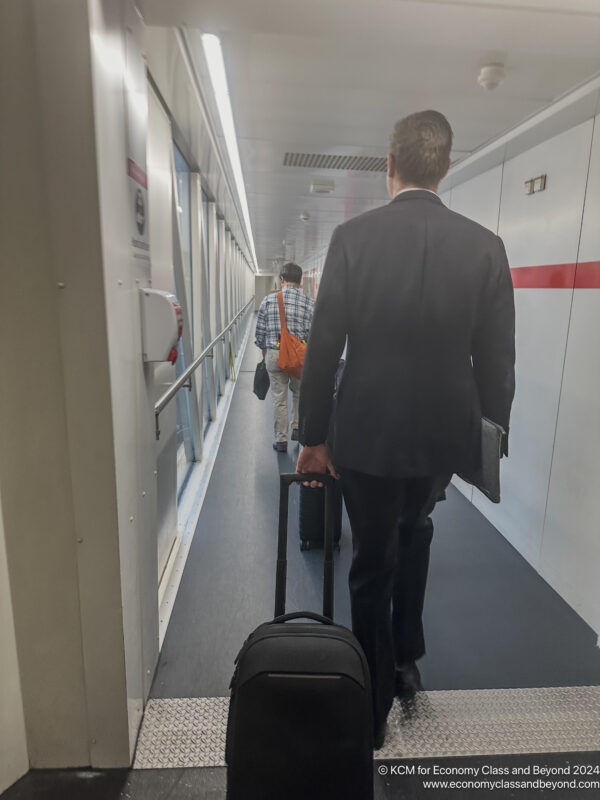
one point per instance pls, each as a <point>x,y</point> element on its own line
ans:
<point>298,317</point>
<point>425,299</point>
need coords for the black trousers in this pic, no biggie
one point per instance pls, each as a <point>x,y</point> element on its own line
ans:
<point>391,536</point>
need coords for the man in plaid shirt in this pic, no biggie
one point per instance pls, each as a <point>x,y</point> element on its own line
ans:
<point>298,316</point>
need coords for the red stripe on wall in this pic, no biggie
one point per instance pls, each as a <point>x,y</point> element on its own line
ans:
<point>546,276</point>
<point>585,275</point>
<point>588,275</point>
<point>137,173</point>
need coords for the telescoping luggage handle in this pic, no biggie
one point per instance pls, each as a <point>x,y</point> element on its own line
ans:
<point>280,581</point>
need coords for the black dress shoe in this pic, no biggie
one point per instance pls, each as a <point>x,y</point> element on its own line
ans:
<point>408,680</point>
<point>379,736</point>
<point>280,447</point>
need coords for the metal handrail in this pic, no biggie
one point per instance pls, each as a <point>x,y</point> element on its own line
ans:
<point>182,380</point>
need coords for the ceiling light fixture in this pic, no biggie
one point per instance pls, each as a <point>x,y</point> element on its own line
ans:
<point>218,77</point>
<point>491,76</point>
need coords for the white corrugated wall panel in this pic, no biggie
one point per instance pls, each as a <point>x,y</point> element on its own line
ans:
<point>570,554</point>
<point>479,198</point>
<point>538,229</point>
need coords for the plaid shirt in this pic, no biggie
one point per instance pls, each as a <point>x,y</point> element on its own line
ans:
<point>298,316</point>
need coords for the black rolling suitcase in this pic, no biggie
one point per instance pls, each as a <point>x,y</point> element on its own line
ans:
<point>300,718</point>
<point>311,516</point>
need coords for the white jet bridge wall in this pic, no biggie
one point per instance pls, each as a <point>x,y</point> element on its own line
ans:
<point>570,552</point>
<point>79,627</point>
<point>548,510</point>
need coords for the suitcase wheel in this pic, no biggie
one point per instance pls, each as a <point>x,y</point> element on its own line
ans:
<point>304,544</point>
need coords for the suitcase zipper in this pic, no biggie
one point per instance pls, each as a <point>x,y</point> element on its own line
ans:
<point>248,643</point>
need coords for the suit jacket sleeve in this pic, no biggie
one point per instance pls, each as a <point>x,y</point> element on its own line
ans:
<point>493,346</point>
<point>325,346</point>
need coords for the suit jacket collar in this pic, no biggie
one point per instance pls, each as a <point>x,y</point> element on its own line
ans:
<point>417,194</point>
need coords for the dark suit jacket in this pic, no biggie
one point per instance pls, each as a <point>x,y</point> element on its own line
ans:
<point>425,298</point>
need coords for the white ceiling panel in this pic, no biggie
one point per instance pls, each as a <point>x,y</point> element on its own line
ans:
<point>332,76</point>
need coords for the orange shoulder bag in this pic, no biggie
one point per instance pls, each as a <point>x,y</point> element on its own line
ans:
<point>291,349</point>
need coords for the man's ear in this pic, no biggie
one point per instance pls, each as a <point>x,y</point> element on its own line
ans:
<point>391,166</point>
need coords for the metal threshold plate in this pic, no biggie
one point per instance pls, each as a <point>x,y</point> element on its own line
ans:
<point>190,732</point>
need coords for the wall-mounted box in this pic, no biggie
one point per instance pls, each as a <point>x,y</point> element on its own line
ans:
<point>162,325</point>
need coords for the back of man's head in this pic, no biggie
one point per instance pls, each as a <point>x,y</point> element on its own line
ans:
<point>420,146</point>
<point>291,273</point>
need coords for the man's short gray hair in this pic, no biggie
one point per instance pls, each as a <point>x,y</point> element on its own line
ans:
<point>292,273</point>
<point>420,146</point>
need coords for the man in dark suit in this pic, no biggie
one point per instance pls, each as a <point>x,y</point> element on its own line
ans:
<point>424,298</point>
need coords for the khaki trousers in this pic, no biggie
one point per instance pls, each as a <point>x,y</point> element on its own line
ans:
<point>279,390</point>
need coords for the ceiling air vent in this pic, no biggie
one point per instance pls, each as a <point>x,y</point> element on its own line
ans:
<point>321,161</point>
